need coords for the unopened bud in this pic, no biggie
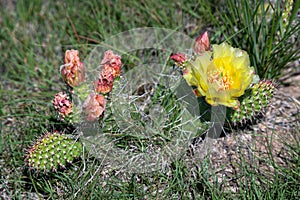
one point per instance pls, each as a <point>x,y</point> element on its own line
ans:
<point>104,83</point>
<point>62,105</point>
<point>111,62</point>
<point>73,71</point>
<point>202,43</point>
<point>94,106</point>
<point>179,58</point>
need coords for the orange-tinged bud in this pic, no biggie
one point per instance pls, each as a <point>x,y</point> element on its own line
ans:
<point>202,43</point>
<point>179,58</point>
<point>94,107</point>
<point>73,71</point>
<point>62,105</point>
<point>111,62</point>
<point>104,83</point>
<point>197,93</point>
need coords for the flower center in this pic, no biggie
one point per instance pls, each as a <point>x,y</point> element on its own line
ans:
<point>220,79</point>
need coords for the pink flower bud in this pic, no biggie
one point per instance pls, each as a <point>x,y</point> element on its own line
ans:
<point>62,105</point>
<point>179,58</point>
<point>112,62</point>
<point>202,43</point>
<point>73,71</point>
<point>104,83</point>
<point>94,107</point>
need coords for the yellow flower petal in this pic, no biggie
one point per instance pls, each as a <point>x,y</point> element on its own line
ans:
<point>221,75</point>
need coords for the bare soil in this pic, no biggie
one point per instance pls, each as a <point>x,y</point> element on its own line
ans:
<point>267,144</point>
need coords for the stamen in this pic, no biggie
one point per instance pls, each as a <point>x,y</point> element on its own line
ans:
<point>221,79</point>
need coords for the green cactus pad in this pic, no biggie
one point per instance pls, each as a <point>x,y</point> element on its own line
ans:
<point>253,103</point>
<point>52,152</point>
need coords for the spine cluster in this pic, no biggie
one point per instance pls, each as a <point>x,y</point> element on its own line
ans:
<point>253,103</point>
<point>52,152</point>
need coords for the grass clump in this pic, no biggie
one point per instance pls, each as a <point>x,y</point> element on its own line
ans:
<point>268,31</point>
<point>34,37</point>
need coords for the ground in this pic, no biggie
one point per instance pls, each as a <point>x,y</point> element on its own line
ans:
<point>37,38</point>
<point>277,130</point>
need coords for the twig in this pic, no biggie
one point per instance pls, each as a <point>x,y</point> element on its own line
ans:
<point>89,39</point>
<point>74,29</point>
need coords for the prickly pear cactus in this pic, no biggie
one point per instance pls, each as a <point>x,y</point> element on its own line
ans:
<point>253,103</point>
<point>52,152</point>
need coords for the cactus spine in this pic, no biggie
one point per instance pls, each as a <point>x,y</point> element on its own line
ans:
<point>253,103</point>
<point>52,152</point>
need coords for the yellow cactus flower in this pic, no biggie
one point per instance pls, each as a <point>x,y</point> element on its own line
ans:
<point>221,75</point>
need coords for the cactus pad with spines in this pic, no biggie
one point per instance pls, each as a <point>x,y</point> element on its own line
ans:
<point>253,103</point>
<point>52,152</point>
